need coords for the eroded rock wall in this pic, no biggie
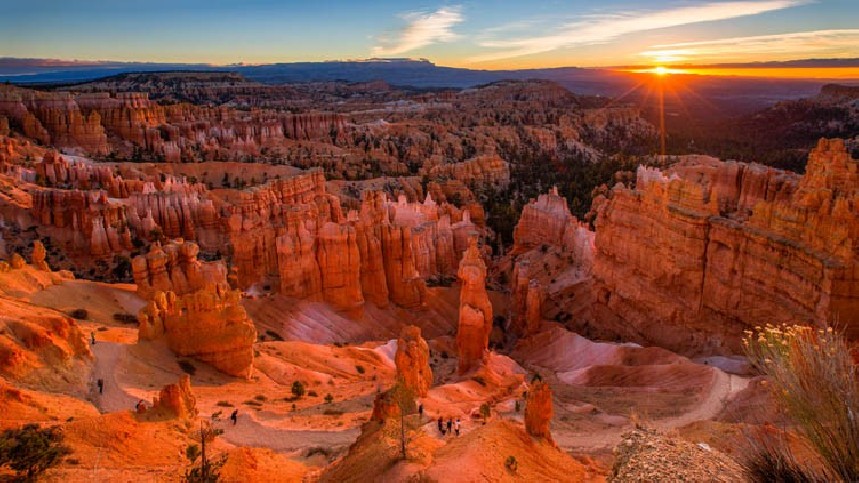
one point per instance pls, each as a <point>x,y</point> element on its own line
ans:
<point>691,258</point>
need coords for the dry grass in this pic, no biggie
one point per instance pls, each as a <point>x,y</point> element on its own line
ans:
<point>814,377</point>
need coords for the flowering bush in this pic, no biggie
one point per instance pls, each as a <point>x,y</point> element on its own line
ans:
<point>814,376</point>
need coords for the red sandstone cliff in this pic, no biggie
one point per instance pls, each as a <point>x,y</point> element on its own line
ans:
<point>209,324</point>
<point>715,248</point>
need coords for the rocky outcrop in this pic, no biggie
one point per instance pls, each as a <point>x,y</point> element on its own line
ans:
<point>475,309</point>
<point>694,256</point>
<point>39,257</point>
<point>526,301</point>
<point>538,411</point>
<point>385,407</point>
<point>209,324</point>
<point>340,266</point>
<point>488,171</point>
<point>548,221</point>
<point>412,361</point>
<point>175,400</point>
<point>645,455</point>
<point>175,268</point>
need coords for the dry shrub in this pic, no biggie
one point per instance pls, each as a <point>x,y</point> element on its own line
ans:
<point>814,377</point>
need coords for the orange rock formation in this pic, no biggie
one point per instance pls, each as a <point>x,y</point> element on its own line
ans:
<point>412,360</point>
<point>538,411</point>
<point>175,268</point>
<point>475,310</point>
<point>176,400</point>
<point>715,248</point>
<point>209,325</point>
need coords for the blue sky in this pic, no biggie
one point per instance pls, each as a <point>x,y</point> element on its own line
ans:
<point>469,33</point>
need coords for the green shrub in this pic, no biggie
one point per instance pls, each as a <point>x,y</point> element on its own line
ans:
<point>297,389</point>
<point>31,450</point>
<point>187,367</point>
<point>79,314</point>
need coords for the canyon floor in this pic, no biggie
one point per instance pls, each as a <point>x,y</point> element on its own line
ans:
<point>601,390</point>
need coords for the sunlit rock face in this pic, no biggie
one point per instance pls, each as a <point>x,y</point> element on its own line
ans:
<point>714,248</point>
<point>175,400</point>
<point>412,361</point>
<point>538,411</point>
<point>209,324</point>
<point>175,268</point>
<point>475,310</point>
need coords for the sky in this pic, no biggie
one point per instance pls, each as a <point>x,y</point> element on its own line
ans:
<point>487,34</point>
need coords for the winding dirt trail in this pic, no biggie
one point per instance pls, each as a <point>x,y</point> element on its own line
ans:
<point>107,358</point>
<point>722,388</point>
<point>249,432</point>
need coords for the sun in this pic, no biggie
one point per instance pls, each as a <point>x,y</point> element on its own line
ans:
<point>661,71</point>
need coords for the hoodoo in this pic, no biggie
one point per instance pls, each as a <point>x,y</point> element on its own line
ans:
<point>475,309</point>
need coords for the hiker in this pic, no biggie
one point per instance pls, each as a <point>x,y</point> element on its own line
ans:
<point>92,337</point>
<point>441,425</point>
<point>234,416</point>
<point>450,425</point>
<point>457,426</point>
<point>421,411</point>
<point>100,384</point>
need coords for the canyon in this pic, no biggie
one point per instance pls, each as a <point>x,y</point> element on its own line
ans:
<point>180,247</point>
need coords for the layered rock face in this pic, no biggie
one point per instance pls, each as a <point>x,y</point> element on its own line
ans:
<point>53,118</point>
<point>175,268</point>
<point>715,248</point>
<point>548,221</point>
<point>475,309</point>
<point>527,297</point>
<point>538,411</point>
<point>412,360</point>
<point>489,171</point>
<point>209,325</point>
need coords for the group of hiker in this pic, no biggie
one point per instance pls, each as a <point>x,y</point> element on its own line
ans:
<point>451,427</point>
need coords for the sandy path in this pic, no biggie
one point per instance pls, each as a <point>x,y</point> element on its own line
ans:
<point>721,389</point>
<point>250,432</point>
<point>108,357</point>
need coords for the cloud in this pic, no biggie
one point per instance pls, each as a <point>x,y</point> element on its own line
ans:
<point>826,43</point>
<point>596,29</point>
<point>424,28</point>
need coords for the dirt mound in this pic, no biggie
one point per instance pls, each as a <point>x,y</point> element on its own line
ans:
<point>649,456</point>
<point>24,406</point>
<point>260,464</point>
<point>117,447</point>
<point>479,455</point>
<point>41,346</point>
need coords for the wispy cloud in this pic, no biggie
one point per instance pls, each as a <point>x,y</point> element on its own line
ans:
<point>595,29</point>
<point>424,28</point>
<point>826,43</point>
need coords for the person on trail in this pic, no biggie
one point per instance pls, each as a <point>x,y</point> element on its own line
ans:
<point>441,425</point>
<point>92,337</point>
<point>234,416</point>
<point>449,425</point>
<point>421,412</point>
<point>100,384</point>
<point>457,426</point>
